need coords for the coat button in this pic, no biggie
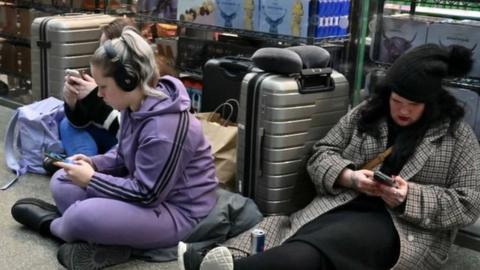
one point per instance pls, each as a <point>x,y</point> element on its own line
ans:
<point>410,238</point>
<point>427,221</point>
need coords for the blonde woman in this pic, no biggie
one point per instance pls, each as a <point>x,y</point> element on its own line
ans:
<point>147,192</point>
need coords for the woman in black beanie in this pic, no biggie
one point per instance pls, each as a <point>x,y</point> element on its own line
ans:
<point>359,222</point>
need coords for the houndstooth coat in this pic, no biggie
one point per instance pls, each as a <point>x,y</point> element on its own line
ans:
<point>443,193</point>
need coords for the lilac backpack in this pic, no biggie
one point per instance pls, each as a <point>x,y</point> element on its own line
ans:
<point>32,131</point>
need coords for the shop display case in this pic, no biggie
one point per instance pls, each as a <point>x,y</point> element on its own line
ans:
<point>300,22</point>
<point>397,26</point>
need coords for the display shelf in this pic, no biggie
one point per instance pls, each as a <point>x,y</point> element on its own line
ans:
<point>15,40</point>
<point>14,74</point>
<point>448,4</point>
<point>41,7</point>
<point>14,97</point>
<point>437,11</point>
<point>142,18</point>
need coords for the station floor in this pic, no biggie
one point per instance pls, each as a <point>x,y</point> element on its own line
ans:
<point>22,249</point>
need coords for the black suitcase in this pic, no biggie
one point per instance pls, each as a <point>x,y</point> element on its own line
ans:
<point>222,79</point>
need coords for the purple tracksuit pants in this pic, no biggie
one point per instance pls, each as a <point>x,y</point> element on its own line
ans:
<point>110,221</point>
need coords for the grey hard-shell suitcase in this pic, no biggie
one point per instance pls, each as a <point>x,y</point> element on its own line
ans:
<point>470,101</point>
<point>468,97</point>
<point>61,42</point>
<point>279,120</point>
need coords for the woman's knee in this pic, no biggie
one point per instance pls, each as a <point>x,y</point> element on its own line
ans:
<point>57,182</point>
<point>64,191</point>
<point>76,223</point>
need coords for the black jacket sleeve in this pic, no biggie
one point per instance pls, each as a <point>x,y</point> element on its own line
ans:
<point>78,116</point>
<point>92,108</point>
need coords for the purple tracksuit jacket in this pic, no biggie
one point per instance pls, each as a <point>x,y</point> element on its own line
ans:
<point>158,182</point>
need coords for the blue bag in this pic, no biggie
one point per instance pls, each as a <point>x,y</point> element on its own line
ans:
<point>31,132</point>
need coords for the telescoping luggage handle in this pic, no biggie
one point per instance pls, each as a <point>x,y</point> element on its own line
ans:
<point>314,80</point>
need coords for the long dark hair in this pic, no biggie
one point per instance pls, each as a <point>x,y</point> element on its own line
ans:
<point>436,111</point>
<point>445,106</point>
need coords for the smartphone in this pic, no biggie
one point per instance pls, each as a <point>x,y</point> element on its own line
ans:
<point>55,157</point>
<point>73,72</point>
<point>383,178</point>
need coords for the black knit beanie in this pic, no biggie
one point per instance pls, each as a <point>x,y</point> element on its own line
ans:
<point>417,75</point>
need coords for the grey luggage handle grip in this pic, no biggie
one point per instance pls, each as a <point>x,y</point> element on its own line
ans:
<point>314,80</point>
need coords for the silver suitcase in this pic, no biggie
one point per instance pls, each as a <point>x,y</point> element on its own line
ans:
<point>279,120</point>
<point>61,42</point>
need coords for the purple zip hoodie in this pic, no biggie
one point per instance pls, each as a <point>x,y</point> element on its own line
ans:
<point>162,157</point>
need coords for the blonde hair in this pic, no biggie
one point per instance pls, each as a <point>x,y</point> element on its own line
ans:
<point>136,56</point>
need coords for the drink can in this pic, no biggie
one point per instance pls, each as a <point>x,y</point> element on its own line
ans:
<point>257,241</point>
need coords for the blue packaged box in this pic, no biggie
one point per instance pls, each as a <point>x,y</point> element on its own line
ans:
<point>284,17</point>
<point>237,14</point>
<point>332,18</point>
<point>196,11</point>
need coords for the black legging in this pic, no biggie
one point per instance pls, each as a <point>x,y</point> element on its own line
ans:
<point>292,255</point>
<point>359,235</point>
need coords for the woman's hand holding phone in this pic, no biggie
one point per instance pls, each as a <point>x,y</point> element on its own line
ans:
<point>80,170</point>
<point>393,195</point>
<point>82,83</point>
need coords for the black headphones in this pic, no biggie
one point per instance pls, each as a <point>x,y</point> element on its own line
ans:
<point>124,75</point>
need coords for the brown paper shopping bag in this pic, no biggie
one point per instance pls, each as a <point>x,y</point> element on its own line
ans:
<point>222,135</point>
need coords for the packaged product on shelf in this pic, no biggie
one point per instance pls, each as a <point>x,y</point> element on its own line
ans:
<point>9,25</point>
<point>333,18</point>
<point>25,18</point>
<point>7,54</point>
<point>167,47</point>
<point>194,88</point>
<point>251,15</point>
<point>42,2</point>
<point>165,30</point>
<point>343,18</point>
<point>23,60</point>
<point>399,34</point>
<point>94,4</point>
<point>196,11</point>
<point>237,14</point>
<point>166,53</point>
<point>165,9</point>
<point>61,3</point>
<point>284,17</point>
<point>465,33</point>
<point>151,31</point>
<point>3,17</point>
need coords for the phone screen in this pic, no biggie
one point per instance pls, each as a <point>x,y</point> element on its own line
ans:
<point>383,178</point>
<point>55,156</point>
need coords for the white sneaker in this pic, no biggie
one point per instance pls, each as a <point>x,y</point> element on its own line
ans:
<point>188,258</point>
<point>218,258</point>
<point>181,249</point>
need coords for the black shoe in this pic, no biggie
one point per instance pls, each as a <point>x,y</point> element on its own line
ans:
<point>83,256</point>
<point>188,258</point>
<point>35,214</point>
